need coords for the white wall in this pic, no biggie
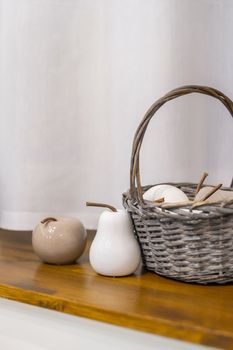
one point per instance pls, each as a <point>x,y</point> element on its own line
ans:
<point>76,77</point>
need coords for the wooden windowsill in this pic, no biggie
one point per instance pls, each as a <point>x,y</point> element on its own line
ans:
<point>144,301</point>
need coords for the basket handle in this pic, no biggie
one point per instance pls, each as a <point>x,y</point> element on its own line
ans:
<point>135,182</point>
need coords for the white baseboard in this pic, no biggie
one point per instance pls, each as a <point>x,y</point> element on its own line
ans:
<point>26,221</point>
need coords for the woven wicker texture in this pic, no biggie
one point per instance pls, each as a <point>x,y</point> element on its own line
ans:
<point>184,243</point>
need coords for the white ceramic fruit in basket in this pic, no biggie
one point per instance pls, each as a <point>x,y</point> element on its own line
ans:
<point>115,250</point>
<point>171,194</point>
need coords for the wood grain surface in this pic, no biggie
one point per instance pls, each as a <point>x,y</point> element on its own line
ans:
<point>144,301</point>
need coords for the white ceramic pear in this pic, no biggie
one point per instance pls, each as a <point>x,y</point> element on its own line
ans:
<point>114,250</point>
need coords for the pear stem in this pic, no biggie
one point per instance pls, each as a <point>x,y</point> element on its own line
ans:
<point>101,205</point>
<point>46,220</point>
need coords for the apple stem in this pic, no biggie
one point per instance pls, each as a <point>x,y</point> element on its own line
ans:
<point>101,205</point>
<point>46,220</point>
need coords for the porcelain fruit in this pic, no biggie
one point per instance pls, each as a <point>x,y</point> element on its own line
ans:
<point>115,250</point>
<point>59,240</point>
<point>171,194</point>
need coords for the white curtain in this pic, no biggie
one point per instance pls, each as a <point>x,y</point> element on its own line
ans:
<point>76,77</point>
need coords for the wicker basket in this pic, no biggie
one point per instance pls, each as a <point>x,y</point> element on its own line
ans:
<point>188,245</point>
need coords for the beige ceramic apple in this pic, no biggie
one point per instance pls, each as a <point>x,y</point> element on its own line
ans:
<point>59,240</point>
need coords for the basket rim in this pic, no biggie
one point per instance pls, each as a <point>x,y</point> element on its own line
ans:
<point>150,210</point>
